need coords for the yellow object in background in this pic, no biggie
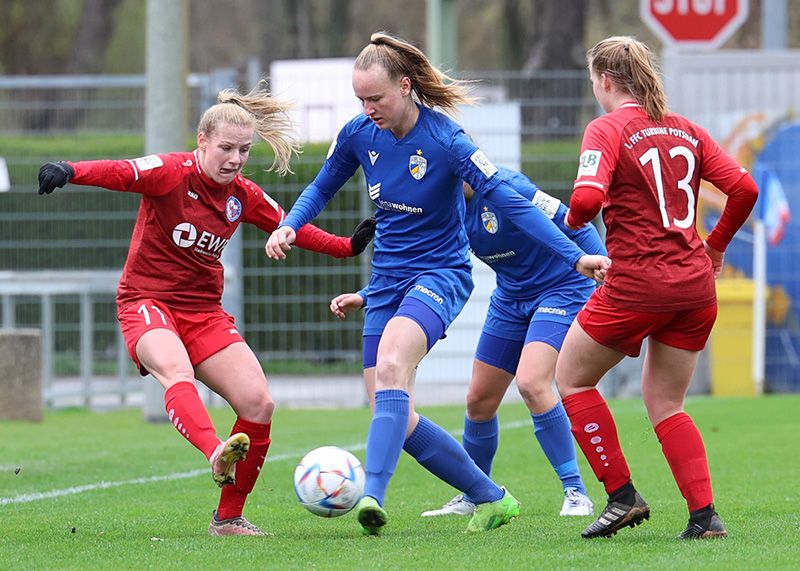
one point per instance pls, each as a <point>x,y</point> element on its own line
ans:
<point>732,339</point>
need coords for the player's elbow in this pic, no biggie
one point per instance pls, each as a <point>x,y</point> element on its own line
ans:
<point>749,189</point>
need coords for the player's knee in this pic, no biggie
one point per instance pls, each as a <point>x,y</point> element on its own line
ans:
<point>179,375</point>
<point>661,409</point>
<point>534,389</point>
<point>480,407</point>
<point>392,372</point>
<point>258,407</point>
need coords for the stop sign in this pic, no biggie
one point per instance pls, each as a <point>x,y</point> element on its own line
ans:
<point>693,23</point>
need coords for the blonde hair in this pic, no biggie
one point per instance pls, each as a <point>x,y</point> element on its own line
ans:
<point>267,116</point>
<point>402,59</point>
<point>632,66</point>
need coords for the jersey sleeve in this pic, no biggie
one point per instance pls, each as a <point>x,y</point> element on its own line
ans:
<point>498,188</point>
<point>362,293</point>
<point>339,166</point>
<point>721,170</point>
<point>470,164</point>
<point>150,175</point>
<point>261,209</point>
<point>586,238</point>
<point>717,166</point>
<point>584,204</point>
<point>265,213</point>
<point>599,155</point>
<point>315,239</point>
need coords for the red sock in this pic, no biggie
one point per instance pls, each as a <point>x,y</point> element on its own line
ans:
<point>189,415</point>
<point>596,434</point>
<point>232,498</point>
<point>686,455</point>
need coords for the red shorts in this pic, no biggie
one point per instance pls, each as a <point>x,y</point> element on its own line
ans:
<point>624,330</point>
<point>202,333</point>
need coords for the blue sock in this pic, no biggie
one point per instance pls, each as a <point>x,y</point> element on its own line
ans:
<point>553,431</point>
<point>442,455</point>
<point>480,442</point>
<point>385,440</point>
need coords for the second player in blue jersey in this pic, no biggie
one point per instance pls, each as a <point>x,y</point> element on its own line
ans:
<point>530,311</point>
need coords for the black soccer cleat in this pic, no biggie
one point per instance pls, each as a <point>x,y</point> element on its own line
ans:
<point>704,524</point>
<point>617,515</point>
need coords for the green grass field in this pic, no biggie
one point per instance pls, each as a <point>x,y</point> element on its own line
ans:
<point>103,491</point>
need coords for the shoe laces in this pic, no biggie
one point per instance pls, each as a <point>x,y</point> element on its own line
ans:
<point>455,501</point>
<point>240,521</point>
<point>574,496</point>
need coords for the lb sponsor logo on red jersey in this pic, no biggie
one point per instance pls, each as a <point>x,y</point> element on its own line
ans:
<point>590,161</point>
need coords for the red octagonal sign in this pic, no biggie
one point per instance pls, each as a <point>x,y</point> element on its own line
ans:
<point>693,23</point>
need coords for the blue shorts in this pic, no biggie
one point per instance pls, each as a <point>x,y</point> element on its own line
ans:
<point>444,292</point>
<point>511,324</point>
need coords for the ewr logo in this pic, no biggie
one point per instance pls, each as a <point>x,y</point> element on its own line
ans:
<point>184,235</point>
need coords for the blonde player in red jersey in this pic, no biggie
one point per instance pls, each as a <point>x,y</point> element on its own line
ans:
<point>169,296</point>
<point>643,165</point>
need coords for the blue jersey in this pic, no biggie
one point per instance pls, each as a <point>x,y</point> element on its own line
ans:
<point>415,184</point>
<point>525,268</point>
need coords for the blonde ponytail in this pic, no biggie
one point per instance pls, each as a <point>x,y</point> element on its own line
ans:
<point>402,59</point>
<point>267,116</point>
<point>631,65</point>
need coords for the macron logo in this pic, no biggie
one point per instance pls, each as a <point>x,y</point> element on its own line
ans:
<point>374,190</point>
<point>552,311</point>
<point>433,295</point>
<point>373,156</point>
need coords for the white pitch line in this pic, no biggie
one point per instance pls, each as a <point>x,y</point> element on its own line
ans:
<point>37,496</point>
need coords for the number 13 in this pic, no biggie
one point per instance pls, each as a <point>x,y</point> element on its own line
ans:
<point>652,156</point>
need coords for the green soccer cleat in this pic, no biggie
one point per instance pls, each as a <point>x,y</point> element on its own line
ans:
<point>491,515</point>
<point>371,515</point>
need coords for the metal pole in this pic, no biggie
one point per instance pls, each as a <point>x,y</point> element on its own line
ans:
<point>774,22</point>
<point>122,368</point>
<point>9,312</point>
<point>87,346</point>
<point>48,348</point>
<point>759,303</point>
<point>165,112</point>
<point>442,33</point>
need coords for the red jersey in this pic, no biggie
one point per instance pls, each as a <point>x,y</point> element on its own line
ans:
<point>649,173</point>
<point>185,220</point>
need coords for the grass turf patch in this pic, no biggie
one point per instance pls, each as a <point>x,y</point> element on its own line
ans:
<point>136,521</point>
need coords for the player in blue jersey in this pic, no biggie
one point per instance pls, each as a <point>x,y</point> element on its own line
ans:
<point>536,299</point>
<point>530,311</point>
<point>414,159</point>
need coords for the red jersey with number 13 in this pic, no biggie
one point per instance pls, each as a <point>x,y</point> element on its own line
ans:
<point>185,221</point>
<point>650,174</point>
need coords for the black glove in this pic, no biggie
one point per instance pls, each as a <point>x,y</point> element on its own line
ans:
<point>362,235</point>
<point>54,175</point>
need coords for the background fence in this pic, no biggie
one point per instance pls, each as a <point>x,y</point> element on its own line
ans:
<point>83,233</point>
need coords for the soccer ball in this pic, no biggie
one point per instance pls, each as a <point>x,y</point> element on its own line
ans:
<point>329,481</point>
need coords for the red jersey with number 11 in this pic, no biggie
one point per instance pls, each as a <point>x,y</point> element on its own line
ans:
<point>185,221</point>
<point>650,175</point>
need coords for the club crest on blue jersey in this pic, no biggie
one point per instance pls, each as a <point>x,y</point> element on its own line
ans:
<point>233,209</point>
<point>490,223</point>
<point>417,165</point>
